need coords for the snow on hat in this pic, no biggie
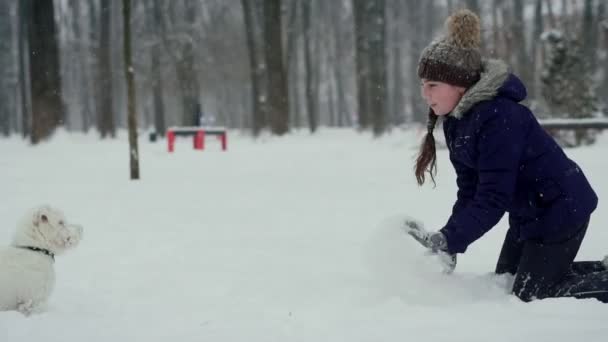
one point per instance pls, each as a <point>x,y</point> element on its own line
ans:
<point>454,59</point>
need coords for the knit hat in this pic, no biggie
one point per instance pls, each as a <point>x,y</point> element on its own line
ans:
<point>454,59</point>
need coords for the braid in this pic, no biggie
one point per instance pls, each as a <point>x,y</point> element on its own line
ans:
<point>427,158</point>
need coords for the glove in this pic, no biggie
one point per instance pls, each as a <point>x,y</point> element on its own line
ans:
<point>436,242</point>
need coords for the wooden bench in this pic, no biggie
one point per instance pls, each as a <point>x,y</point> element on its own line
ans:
<point>577,127</point>
<point>573,124</point>
<point>198,136</point>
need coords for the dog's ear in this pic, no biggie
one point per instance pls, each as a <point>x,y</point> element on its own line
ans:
<point>39,216</point>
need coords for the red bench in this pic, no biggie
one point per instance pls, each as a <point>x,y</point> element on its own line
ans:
<point>198,136</point>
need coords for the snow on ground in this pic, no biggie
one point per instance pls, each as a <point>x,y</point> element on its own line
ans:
<point>278,239</point>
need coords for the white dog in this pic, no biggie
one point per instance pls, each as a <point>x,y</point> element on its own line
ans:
<point>27,276</point>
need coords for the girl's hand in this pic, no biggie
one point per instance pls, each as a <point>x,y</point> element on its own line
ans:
<point>434,241</point>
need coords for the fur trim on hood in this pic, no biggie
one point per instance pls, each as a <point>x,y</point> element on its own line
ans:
<point>494,74</point>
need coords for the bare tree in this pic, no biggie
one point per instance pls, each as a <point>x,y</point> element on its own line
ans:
<point>495,45</point>
<point>506,17</point>
<point>397,88</point>
<point>377,67</point>
<point>604,27</point>
<point>278,100</point>
<point>5,71</point>
<point>565,17</point>
<point>24,8</point>
<point>182,21</point>
<point>362,63</point>
<point>339,57</point>
<point>312,107</point>
<point>256,66</point>
<point>536,48</point>
<point>371,64</point>
<point>550,13</point>
<point>47,105</point>
<point>105,105</point>
<point>522,65</point>
<point>157,83</point>
<point>590,33</point>
<point>416,45</point>
<point>76,73</point>
<point>130,80</point>
<point>293,28</point>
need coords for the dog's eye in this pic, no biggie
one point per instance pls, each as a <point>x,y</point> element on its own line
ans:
<point>61,223</point>
<point>43,218</point>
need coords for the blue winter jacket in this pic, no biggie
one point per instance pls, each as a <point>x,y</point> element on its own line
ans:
<point>506,162</point>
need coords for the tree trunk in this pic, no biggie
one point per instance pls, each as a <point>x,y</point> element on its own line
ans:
<point>590,34</point>
<point>339,57</point>
<point>291,59</point>
<point>523,65</point>
<point>257,101</point>
<point>506,15</point>
<point>536,47</point>
<point>186,70</point>
<point>565,21</point>
<point>398,102</point>
<point>47,106</point>
<point>331,103</point>
<point>278,103</point>
<point>311,107</point>
<point>377,67</point>
<point>417,43</point>
<point>362,63</point>
<point>318,63</point>
<point>82,74</point>
<point>105,112</point>
<point>130,80</point>
<point>160,125</point>
<point>7,63</point>
<point>23,48</point>
<point>189,86</point>
<point>93,62</point>
<point>496,47</point>
<point>550,14</point>
<point>604,86</point>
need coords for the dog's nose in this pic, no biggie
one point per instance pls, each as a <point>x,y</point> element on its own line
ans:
<point>76,229</point>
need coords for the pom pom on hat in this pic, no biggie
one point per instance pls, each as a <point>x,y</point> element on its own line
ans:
<point>464,29</point>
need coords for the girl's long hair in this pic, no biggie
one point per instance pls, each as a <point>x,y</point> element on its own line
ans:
<point>427,157</point>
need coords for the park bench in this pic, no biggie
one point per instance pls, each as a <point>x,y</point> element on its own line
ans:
<point>198,133</point>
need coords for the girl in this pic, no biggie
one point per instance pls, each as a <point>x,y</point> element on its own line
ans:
<point>504,162</point>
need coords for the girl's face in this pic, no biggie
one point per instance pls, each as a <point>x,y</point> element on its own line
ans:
<point>441,97</point>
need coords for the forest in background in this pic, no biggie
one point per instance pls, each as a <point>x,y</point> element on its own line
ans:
<point>276,65</point>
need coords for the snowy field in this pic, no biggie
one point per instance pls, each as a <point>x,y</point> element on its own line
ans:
<point>278,239</point>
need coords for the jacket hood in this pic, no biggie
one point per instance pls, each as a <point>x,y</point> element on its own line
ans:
<point>495,80</point>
